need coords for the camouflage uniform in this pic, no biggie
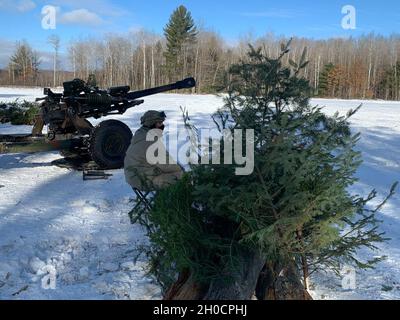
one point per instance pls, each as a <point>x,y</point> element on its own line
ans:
<point>138,172</point>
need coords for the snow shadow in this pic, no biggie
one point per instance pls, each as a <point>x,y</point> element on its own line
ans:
<point>51,211</point>
<point>34,211</point>
<point>3,95</point>
<point>14,161</point>
<point>381,157</point>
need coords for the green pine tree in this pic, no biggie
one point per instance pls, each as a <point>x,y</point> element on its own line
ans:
<point>180,33</point>
<point>323,88</point>
<point>19,112</point>
<point>228,235</point>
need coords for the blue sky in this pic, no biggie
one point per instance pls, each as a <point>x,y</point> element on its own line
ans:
<point>21,19</point>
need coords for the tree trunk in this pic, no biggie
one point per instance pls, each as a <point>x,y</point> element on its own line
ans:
<point>194,90</point>
<point>241,287</point>
<point>74,62</point>
<point>277,282</point>
<point>185,288</point>
<point>253,276</point>
<point>144,65</point>
<point>153,80</point>
<point>244,280</point>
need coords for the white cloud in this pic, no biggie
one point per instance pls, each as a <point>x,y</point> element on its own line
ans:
<point>101,7</point>
<point>20,6</point>
<point>81,17</point>
<point>25,5</point>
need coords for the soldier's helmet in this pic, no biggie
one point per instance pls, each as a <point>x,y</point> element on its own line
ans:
<point>151,117</point>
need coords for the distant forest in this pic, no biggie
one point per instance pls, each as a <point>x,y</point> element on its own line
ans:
<point>367,67</point>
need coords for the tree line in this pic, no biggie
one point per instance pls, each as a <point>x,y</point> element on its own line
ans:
<point>366,67</point>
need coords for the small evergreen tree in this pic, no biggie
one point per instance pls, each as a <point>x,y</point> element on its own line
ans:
<point>180,33</point>
<point>227,235</point>
<point>19,113</point>
<point>327,81</point>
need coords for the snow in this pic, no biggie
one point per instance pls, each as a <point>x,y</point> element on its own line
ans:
<point>53,221</point>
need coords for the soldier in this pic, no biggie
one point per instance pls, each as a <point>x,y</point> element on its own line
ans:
<point>139,173</point>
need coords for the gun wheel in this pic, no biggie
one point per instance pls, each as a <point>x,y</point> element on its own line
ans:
<point>109,142</point>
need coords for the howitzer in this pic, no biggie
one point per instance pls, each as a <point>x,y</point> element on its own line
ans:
<point>69,131</point>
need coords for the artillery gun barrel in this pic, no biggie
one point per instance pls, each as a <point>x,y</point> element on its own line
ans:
<point>183,84</point>
<point>98,105</point>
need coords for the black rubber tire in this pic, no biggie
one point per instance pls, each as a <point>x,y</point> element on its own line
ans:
<point>109,142</point>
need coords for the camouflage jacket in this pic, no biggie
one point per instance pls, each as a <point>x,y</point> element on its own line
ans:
<point>141,174</point>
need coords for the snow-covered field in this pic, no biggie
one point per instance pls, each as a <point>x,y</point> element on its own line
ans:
<point>53,221</point>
